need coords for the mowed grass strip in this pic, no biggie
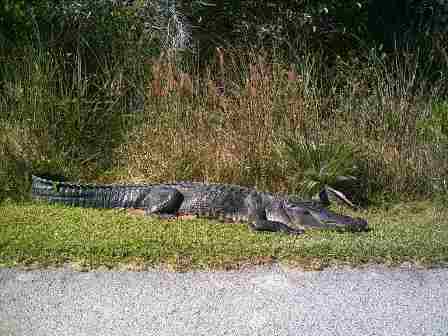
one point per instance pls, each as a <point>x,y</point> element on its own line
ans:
<point>44,235</point>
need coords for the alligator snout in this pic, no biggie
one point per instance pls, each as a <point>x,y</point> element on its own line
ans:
<point>354,224</point>
<point>360,225</point>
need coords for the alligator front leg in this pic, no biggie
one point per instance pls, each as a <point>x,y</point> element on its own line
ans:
<point>273,226</point>
<point>258,220</point>
<point>162,201</point>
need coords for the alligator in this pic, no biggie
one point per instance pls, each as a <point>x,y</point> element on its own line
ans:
<point>262,211</point>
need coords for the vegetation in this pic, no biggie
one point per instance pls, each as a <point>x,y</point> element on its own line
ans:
<point>286,98</point>
<point>36,235</point>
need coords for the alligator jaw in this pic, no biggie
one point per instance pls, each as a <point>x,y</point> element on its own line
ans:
<point>342,223</point>
<point>314,216</point>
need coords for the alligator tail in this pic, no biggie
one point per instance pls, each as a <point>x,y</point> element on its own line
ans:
<point>87,195</point>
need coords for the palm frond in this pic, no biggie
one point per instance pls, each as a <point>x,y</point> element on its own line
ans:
<point>322,167</point>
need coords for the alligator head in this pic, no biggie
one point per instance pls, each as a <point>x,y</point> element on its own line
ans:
<point>309,215</point>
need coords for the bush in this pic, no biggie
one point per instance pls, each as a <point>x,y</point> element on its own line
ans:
<point>318,166</point>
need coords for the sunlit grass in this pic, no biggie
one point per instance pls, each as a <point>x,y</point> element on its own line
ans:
<point>45,235</point>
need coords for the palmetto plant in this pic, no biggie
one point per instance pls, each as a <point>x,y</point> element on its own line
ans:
<point>328,170</point>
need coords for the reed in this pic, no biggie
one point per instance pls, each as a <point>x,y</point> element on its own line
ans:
<point>249,118</point>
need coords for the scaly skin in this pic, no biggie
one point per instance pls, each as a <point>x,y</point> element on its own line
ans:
<point>262,211</point>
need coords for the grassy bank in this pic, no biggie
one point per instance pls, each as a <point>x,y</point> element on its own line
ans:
<point>109,100</point>
<point>45,235</point>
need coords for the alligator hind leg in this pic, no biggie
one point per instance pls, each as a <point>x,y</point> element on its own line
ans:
<point>162,201</point>
<point>258,220</point>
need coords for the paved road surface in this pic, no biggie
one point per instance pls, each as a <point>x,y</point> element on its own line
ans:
<point>262,301</point>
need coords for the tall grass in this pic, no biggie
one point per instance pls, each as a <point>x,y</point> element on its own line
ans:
<point>241,120</point>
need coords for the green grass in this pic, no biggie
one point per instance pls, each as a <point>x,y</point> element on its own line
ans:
<point>43,235</point>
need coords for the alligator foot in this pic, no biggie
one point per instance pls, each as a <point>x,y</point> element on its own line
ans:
<point>273,226</point>
<point>162,200</point>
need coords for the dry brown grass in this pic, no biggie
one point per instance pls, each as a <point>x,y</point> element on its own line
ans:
<point>229,122</point>
<point>229,126</point>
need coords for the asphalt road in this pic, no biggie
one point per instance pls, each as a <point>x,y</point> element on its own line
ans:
<point>261,301</point>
